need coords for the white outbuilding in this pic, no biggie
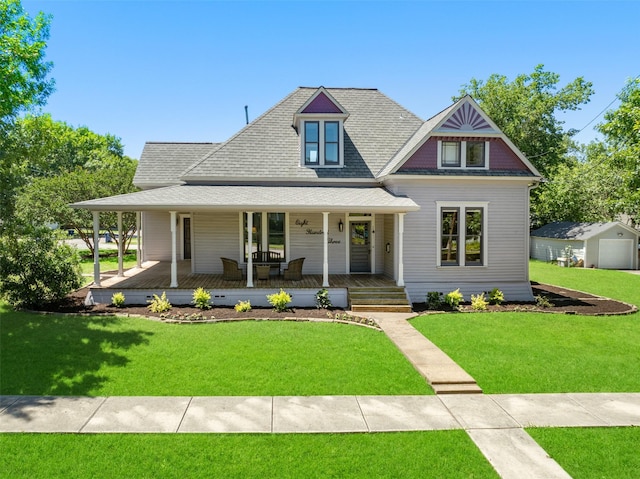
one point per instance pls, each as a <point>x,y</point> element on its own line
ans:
<point>612,245</point>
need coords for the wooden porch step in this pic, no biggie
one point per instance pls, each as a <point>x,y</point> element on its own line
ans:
<point>456,388</point>
<point>388,299</point>
<point>381,308</point>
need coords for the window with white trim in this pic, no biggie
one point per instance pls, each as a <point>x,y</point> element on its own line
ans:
<point>323,143</point>
<point>462,234</point>
<point>269,233</point>
<point>463,154</point>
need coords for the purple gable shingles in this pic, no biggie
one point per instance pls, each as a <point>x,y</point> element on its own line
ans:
<point>322,104</point>
<point>501,157</point>
<point>466,115</point>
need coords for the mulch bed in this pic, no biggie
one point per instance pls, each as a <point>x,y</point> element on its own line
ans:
<point>563,301</point>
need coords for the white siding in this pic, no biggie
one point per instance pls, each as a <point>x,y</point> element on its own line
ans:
<point>216,235</point>
<point>306,240</point>
<point>156,237</point>
<point>550,249</point>
<point>506,261</point>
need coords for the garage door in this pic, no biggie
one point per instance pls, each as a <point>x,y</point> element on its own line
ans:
<point>615,254</point>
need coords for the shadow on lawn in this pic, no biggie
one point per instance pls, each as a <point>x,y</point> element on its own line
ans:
<point>60,355</point>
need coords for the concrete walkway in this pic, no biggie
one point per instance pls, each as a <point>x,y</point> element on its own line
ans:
<point>494,422</point>
<point>441,372</point>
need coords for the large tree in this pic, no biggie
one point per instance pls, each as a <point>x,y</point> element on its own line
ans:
<point>43,148</point>
<point>23,86</point>
<point>23,69</point>
<point>622,136</point>
<point>47,199</point>
<point>526,110</point>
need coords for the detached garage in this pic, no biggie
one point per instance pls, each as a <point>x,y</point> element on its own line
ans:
<point>611,245</point>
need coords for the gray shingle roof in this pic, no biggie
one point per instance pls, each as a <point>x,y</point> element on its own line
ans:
<point>269,147</point>
<point>574,231</point>
<point>259,198</point>
<point>416,139</point>
<point>162,164</point>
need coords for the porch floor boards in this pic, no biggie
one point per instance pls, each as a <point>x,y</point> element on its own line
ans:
<point>157,275</point>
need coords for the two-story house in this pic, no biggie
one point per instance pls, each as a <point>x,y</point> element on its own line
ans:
<point>347,179</point>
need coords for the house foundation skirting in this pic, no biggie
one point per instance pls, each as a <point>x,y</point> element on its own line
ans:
<point>300,297</point>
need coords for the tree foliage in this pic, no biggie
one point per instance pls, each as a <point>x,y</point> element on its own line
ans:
<point>582,189</point>
<point>23,86</point>
<point>23,69</point>
<point>47,199</point>
<point>622,137</point>
<point>43,149</point>
<point>36,268</point>
<point>526,110</point>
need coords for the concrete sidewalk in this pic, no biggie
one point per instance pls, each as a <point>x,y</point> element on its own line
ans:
<point>494,422</point>
<point>315,414</point>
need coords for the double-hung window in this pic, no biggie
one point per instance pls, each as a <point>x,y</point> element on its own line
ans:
<point>462,234</point>
<point>323,143</point>
<point>269,233</point>
<point>463,154</point>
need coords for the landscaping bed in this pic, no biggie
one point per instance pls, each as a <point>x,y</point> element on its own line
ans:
<point>559,300</point>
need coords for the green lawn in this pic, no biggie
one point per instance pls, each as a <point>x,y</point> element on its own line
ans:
<point>539,352</point>
<point>108,261</point>
<point>58,355</point>
<point>593,453</point>
<point>442,454</point>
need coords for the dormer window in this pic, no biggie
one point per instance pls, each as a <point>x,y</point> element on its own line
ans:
<point>322,141</point>
<point>320,124</point>
<point>463,154</point>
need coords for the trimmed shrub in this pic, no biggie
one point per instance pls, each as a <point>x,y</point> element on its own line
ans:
<point>118,299</point>
<point>322,299</point>
<point>279,301</point>
<point>159,304</point>
<point>478,302</point>
<point>202,298</point>
<point>434,300</point>
<point>37,269</point>
<point>496,296</point>
<point>243,306</point>
<point>454,298</point>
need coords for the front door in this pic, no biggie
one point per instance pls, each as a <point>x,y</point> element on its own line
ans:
<point>360,247</point>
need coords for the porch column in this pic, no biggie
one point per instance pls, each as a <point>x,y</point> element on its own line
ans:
<point>96,248</point>
<point>174,260</point>
<point>120,246</point>
<point>249,252</point>
<point>139,242</point>
<point>325,260</point>
<point>400,249</point>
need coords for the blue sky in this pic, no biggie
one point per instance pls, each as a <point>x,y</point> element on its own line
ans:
<point>183,71</point>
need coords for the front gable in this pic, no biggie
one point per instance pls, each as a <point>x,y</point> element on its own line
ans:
<point>461,140</point>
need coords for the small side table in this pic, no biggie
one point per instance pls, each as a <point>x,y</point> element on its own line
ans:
<point>262,271</point>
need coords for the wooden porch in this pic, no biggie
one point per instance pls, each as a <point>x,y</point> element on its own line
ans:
<point>157,276</point>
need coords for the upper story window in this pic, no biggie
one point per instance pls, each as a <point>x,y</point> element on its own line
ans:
<point>323,140</point>
<point>463,154</point>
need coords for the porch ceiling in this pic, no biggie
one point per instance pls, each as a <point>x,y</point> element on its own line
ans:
<point>256,198</point>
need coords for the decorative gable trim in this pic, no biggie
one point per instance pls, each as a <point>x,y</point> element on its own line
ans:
<point>465,115</point>
<point>466,118</point>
